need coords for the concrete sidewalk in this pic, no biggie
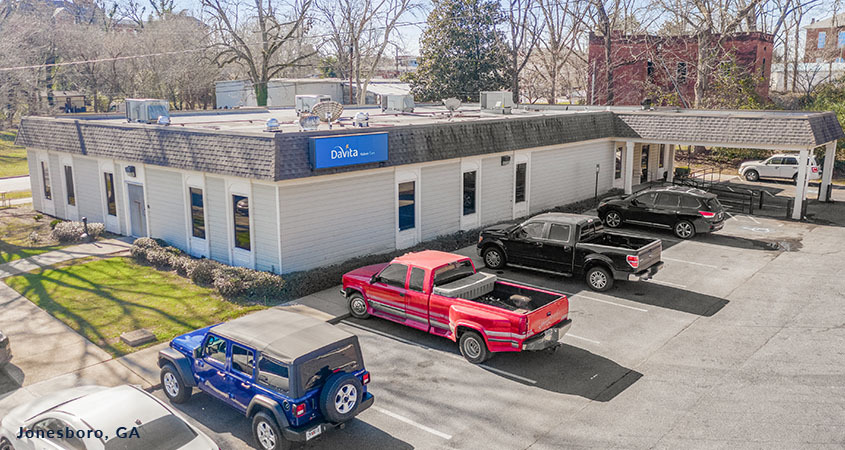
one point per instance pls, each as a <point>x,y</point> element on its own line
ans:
<point>97,248</point>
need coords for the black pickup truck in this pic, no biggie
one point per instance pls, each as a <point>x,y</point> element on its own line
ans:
<point>571,244</point>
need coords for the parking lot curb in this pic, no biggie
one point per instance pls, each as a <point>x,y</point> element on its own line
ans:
<point>339,319</point>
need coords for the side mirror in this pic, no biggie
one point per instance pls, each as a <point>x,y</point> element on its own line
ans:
<point>198,352</point>
<point>374,279</point>
<point>635,202</point>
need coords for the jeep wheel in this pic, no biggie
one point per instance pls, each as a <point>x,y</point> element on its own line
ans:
<point>613,219</point>
<point>684,229</point>
<point>752,175</point>
<point>341,396</point>
<point>357,306</point>
<point>6,445</point>
<point>494,258</point>
<point>267,434</point>
<point>173,386</point>
<point>599,279</point>
<point>473,347</point>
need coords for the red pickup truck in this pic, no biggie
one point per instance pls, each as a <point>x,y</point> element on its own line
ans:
<point>442,294</point>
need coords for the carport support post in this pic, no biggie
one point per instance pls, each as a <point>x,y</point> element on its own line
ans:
<point>669,163</point>
<point>628,170</point>
<point>800,184</point>
<point>827,170</point>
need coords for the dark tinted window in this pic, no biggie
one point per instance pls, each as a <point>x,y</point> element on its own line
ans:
<point>647,199</point>
<point>407,211</point>
<point>790,160</point>
<point>689,202</point>
<point>394,275</point>
<point>469,192</point>
<point>713,204</point>
<point>242,360</point>
<point>416,281</point>
<point>452,272</point>
<point>240,205</point>
<point>519,189</point>
<point>533,230</point>
<point>165,433</point>
<point>197,213</point>
<point>617,174</point>
<point>273,375</point>
<point>313,372</point>
<point>775,161</point>
<point>45,179</point>
<point>71,195</point>
<point>667,200</point>
<point>215,348</point>
<point>559,232</point>
<point>110,201</point>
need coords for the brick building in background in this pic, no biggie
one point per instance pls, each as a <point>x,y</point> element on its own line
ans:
<point>643,63</point>
<point>825,40</point>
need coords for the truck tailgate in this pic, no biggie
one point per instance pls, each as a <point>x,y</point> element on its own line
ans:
<point>541,319</point>
<point>650,254</point>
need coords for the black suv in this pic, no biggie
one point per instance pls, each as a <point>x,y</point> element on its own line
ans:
<point>684,210</point>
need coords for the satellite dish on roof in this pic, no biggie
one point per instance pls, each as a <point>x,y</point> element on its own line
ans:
<point>452,104</point>
<point>308,121</point>
<point>328,111</point>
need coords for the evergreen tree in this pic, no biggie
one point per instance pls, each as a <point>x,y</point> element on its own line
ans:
<point>462,52</point>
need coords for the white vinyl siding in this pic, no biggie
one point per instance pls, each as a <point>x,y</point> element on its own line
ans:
<point>88,195</point>
<point>35,179</point>
<point>167,212</point>
<point>332,220</point>
<point>217,229</point>
<point>567,175</point>
<point>265,234</point>
<point>59,197</point>
<point>496,190</point>
<point>440,200</point>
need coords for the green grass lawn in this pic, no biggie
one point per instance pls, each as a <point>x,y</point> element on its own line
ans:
<point>103,298</point>
<point>11,252</point>
<point>12,158</point>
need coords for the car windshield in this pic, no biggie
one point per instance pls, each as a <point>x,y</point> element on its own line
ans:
<point>313,372</point>
<point>452,272</point>
<point>165,433</point>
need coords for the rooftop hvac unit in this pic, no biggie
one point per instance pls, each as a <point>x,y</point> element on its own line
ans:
<point>145,110</point>
<point>397,103</point>
<point>497,101</point>
<point>305,103</point>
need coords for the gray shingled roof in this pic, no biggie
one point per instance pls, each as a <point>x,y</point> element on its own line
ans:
<point>767,128</point>
<point>285,155</point>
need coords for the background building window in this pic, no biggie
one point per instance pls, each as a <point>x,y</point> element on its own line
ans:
<point>197,214</point>
<point>650,70</point>
<point>617,174</point>
<point>469,192</point>
<point>682,72</point>
<point>110,201</point>
<point>822,39</point>
<point>45,178</point>
<point>240,206</point>
<point>519,189</point>
<point>71,195</point>
<point>407,212</point>
<point>841,40</point>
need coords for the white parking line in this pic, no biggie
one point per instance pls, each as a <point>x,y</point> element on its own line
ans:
<point>732,216</point>
<point>582,338</point>
<point>605,301</point>
<point>508,374</point>
<point>666,283</point>
<point>691,262</point>
<point>753,219</point>
<point>411,422</point>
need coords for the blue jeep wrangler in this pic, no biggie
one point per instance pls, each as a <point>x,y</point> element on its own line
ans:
<point>294,376</point>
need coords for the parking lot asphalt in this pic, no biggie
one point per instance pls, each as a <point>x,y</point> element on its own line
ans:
<point>739,342</point>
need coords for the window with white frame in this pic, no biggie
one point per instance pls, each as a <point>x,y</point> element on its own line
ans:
<point>197,213</point>
<point>822,38</point>
<point>111,204</point>
<point>519,188</point>
<point>45,178</point>
<point>469,182</point>
<point>240,213</point>
<point>71,194</point>
<point>407,205</point>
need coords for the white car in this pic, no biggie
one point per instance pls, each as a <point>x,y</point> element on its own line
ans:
<point>99,418</point>
<point>777,166</point>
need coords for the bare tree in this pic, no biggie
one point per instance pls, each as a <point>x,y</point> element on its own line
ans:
<point>360,32</point>
<point>253,35</point>
<point>606,18</point>
<point>524,29</point>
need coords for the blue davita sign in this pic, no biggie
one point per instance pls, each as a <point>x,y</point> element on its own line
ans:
<point>351,149</point>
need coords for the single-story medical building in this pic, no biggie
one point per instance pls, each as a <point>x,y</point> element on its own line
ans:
<point>223,187</point>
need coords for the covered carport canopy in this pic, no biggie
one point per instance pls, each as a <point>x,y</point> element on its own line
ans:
<point>767,130</point>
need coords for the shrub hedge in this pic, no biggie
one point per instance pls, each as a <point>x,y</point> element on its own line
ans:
<point>65,232</point>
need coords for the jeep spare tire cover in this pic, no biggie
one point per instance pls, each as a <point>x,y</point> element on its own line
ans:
<point>340,397</point>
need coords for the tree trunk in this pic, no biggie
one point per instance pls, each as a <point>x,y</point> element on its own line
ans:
<point>608,67</point>
<point>260,93</point>
<point>701,68</point>
<point>553,98</point>
<point>785,59</point>
<point>795,57</point>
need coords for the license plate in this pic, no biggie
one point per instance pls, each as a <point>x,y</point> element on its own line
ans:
<point>312,433</point>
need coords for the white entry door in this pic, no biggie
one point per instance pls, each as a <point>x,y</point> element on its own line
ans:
<point>407,205</point>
